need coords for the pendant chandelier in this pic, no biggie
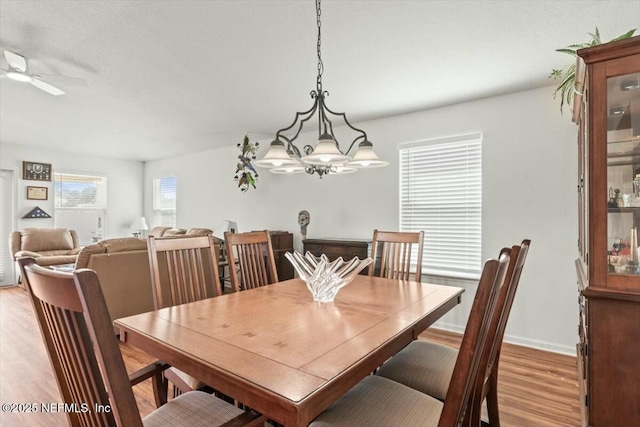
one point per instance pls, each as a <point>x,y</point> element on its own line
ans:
<point>284,157</point>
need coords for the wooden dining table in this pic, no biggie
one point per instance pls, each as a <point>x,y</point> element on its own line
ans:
<point>277,351</point>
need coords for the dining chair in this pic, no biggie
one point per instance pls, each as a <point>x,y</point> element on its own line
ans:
<point>379,401</point>
<point>87,363</point>
<point>428,367</point>
<point>395,250</point>
<point>252,254</point>
<point>183,270</point>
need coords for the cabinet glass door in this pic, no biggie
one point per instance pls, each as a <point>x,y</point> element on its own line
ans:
<point>623,173</point>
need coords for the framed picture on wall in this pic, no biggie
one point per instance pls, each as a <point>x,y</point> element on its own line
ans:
<point>36,171</point>
<point>37,193</point>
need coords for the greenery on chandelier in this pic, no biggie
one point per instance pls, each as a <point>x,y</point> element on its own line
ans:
<point>246,175</point>
<point>567,77</point>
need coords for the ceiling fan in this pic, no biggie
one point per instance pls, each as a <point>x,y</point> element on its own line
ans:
<point>19,71</point>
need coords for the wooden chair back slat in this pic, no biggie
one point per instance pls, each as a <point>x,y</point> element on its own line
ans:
<point>486,385</point>
<point>256,273</point>
<point>253,254</point>
<point>514,275</point>
<point>254,266</point>
<point>394,250</point>
<point>458,402</point>
<point>76,328</point>
<point>183,269</point>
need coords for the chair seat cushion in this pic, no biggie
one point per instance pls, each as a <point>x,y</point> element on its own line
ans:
<point>194,409</point>
<point>423,366</point>
<point>377,401</point>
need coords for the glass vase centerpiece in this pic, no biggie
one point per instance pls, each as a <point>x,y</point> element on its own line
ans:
<point>325,278</point>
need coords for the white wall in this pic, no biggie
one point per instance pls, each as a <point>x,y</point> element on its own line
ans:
<point>529,191</point>
<point>124,185</point>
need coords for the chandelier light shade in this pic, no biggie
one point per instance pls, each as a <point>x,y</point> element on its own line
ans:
<point>288,169</point>
<point>284,157</point>
<point>326,152</point>
<point>365,157</point>
<point>344,169</point>
<point>276,157</point>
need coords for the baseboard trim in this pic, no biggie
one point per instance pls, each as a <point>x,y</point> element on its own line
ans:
<point>525,342</point>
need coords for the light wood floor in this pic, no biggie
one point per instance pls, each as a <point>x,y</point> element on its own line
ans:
<point>536,388</point>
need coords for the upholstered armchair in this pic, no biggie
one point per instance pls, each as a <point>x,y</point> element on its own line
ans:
<point>49,246</point>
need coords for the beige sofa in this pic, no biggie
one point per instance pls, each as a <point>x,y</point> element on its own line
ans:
<point>162,231</point>
<point>122,265</point>
<point>49,246</point>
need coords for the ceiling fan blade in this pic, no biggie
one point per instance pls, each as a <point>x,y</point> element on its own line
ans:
<point>65,80</point>
<point>16,61</point>
<point>46,87</point>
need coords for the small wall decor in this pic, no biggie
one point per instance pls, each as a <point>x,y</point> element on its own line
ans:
<point>36,213</point>
<point>37,193</point>
<point>36,171</point>
<point>246,175</point>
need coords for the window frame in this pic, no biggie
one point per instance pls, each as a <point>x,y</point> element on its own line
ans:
<point>159,212</point>
<point>437,214</point>
<point>99,209</point>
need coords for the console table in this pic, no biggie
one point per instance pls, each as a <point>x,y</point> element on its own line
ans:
<point>339,247</point>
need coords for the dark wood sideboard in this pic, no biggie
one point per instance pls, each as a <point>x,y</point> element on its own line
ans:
<point>334,248</point>
<point>282,242</point>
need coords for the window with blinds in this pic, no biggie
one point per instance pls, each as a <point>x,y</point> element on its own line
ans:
<point>80,204</point>
<point>164,201</point>
<point>441,194</point>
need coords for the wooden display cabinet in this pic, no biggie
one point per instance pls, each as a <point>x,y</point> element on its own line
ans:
<point>608,116</point>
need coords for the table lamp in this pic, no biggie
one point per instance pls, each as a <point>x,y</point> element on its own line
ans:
<point>219,231</point>
<point>226,225</point>
<point>139,226</point>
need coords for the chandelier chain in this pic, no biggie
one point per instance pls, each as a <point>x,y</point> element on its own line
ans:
<point>320,65</point>
<point>327,157</point>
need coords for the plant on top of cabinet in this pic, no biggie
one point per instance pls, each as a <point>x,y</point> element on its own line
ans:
<point>567,77</point>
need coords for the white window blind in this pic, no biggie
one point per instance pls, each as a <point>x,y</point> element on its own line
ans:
<point>80,203</point>
<point>441,194</point>
<point>164,201</point>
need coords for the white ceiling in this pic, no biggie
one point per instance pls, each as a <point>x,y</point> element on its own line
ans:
<point>170,77</point>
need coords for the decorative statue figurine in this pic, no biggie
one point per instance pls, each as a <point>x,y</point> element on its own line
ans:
<point>303,219</point>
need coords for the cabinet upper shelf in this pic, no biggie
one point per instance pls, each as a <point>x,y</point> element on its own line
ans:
<point>630,209</point>
<point>623,152</point>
